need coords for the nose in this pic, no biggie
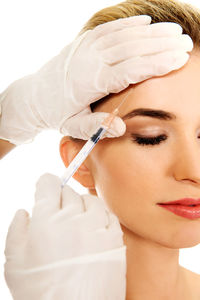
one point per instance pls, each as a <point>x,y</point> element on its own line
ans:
<point>187,162</point>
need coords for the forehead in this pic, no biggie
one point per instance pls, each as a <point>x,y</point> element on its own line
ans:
<point>178,89</point>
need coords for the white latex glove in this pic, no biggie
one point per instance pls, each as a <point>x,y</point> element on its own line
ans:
<point>72,248</point>
<point>102,61</point>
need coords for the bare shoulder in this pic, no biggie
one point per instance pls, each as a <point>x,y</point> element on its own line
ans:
<point>194,281</point>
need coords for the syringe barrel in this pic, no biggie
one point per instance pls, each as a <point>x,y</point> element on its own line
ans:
<point>81,156</point>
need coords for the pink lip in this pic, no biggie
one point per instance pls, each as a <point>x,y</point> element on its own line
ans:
<point>182,207</point>
<point>183,210</point>
<point>184,201</point>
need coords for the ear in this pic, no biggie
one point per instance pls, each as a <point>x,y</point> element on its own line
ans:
<point>68,150</point>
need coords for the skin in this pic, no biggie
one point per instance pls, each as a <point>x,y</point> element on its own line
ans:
<point>132,179</point>
<point>5,147</point>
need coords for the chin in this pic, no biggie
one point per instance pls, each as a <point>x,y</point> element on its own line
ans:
<point>183,239</point>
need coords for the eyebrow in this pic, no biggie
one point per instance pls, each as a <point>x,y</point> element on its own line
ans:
<point>148,112</point>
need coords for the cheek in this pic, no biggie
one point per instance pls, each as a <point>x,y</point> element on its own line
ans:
<point>124,174</point>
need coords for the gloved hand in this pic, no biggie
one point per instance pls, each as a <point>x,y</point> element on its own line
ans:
<point>71,248</point>
<point>101,61</point>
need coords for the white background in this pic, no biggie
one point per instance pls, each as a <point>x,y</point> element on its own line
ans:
<point>31,33</point>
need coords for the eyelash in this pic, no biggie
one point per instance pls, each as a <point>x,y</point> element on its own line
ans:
<point>147,141</point>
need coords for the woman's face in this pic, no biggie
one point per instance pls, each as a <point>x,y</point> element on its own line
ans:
<point>132,178</point>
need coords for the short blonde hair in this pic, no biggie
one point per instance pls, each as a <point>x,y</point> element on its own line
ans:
<point>178,12</point>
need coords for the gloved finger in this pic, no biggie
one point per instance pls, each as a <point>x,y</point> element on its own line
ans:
<point>113,221</point>
<point>96,214</point>
<point>150,66</point>
<point>17,231</point>
<point>163,29</point>
<point>146,47</point>
<point>84,125</point>
<point>72,203</point>
<point>87,210</point>
<point>119,24</point>
<point>47,196</point>
<point>112,236</point>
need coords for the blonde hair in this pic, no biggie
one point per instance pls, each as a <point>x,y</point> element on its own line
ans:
<point>184,14</point>
<point>178,12</point>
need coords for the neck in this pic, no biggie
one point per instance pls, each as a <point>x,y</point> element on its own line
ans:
<point>153,271</point>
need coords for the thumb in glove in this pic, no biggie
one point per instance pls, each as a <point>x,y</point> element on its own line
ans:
<point>85,124</point>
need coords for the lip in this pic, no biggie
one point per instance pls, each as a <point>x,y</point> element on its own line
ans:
<point>183,208</point>
<point>185,211</point>
<point>184,201</point>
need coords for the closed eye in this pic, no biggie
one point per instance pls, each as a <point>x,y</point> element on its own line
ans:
<point>148,141</point>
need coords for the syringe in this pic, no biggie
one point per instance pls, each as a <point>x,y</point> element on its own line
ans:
<point>89,145</point>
